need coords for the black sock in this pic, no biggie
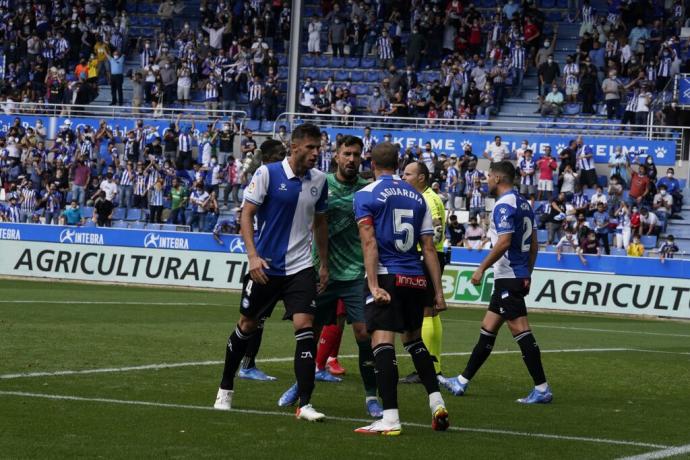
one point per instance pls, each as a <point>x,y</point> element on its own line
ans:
<point>423,363</point>
<point>531,356</point>
<point>367,367</point>
<point>480,353</point>
<point>305,351</point>
<point>387,374</point>
<point>249,360</point>
<point>234,352</point>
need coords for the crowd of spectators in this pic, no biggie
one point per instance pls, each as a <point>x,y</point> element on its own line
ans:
<point>624,58</point>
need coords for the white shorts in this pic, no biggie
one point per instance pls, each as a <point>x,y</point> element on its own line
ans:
<point>572,89</point>
<point>546,185</point>
<point>314,45</point>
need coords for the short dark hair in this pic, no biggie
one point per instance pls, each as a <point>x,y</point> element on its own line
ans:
<point>385,155</point>
<point>306,130</point>
<point>272,151</point>
<point>504,168</point>
<point>422,168</point>
<point>349,141</point>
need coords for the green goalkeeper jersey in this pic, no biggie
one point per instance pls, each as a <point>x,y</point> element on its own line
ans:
<point>345,261</point>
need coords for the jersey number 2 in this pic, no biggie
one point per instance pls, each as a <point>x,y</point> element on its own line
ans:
<point>403,228</point>
<point>527,229</point>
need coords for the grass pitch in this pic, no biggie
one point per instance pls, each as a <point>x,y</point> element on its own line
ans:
<point>67,388</point>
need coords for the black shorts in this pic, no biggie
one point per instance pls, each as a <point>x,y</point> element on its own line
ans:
<point>405,312</point>
<point>508,298</point>
<point>430,295</point>
<point>298,293</point>
<point>588,178</point>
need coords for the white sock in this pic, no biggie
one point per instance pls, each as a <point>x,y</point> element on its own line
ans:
<point>391,416</point>
<point>370,398</point>
<point>463,380</point>
<point>542,387</point>
<point>435,400</point>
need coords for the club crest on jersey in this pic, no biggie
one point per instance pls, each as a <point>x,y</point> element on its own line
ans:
<point>282,187</point>
<point>314,191</point>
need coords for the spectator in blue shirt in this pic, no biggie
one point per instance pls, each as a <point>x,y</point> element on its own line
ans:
<point>673,187</point>
<point>72,214</point>
<point>668,248</point>
<point>117,68</point>
<point>601,224</point>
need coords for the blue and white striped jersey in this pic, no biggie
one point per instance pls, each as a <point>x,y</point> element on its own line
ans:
<point>512,213</point>
<point>400,216</point>
<point>287,205</point>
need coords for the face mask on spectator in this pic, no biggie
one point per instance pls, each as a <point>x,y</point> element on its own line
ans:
<point>547,44</point>
<point>662,192</point>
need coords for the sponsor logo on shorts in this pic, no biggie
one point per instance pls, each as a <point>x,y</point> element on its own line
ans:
<point>416,282</point>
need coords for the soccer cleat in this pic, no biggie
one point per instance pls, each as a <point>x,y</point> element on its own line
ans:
<point>309,414</point>
<point>374,408</point>
<point>453,385</point>
<point>334,367</point>
<point>412,378</point>
<point>538,397</point>
<point>223,400</point>
<point>439,419</point>
<point>289,397</point>
<point>381,427</point>
<point>325,376</point>
<point>254,373</point>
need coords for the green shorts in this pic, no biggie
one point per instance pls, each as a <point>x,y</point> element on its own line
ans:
<point>352,293</point>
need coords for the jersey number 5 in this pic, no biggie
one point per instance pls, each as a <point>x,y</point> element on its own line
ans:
<point>403,228</point>
<point>527,229</point>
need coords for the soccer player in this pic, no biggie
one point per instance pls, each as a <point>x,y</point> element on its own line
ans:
<point>345,268</point>
<point>514,241</point>
<point>288,198</point>
<point>392,218</point>
<point>417,175</point>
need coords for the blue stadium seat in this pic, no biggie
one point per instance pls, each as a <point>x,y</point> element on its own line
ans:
<point>342,75</point>
<point>542,236</point>
<point>282,59</point>
<point>119,213</point>
<point>602,180</point>
<point>137,224</point>
<point>352,62</point>
<point>169,227</point>
<point>323,61</point>
<point>368,63</point>
<point>87,212</point>
<point>553,16</point>
<point>572,109</point>
<point>357,76</point>
<point>618,252</point>
<point>308,61</point>
<point>120,224</point>
<point>152,226</point>
<point>337,62</point>
<point>133,214</point>
<point>648,241</point>
<point>325,74</point>
<point>254,125</point>
<point>371,77</point>
<point>267,126</point>
<point>89,223</point>
<point>312,73</point>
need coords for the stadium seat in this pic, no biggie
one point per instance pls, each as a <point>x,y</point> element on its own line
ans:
<point>133,214</point>
<point>169,227</point>
<point>152,226</point>
<point>282,60</point>
<point>648,241</point>
<point>87,212</point>
<point>308,61</point>
<point>356,76</point>
<point>325,74</point>
<point>542,236</point>
<point>572,109</point>
<point>120,224</point>
<point>602,180</point>
<point>322,61</point>
<point>254,125</point>
<point>267,126</point>
<point>119,213</point>
<point>138,225</point>
<point>312,73</point>
<point>553,16</point>
<point>371,77</point>
<point>368,63</point>
<point>550,248</point>
<point>342,75</point>
<point>352,63</point>
<point>618,252</point>
<point>337,62</point>
<point>89,223</point>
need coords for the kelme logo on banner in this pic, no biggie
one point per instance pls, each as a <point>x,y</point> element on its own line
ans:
<point>465,291</point>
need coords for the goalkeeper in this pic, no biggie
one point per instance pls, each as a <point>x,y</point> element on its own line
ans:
<point>417,175</point>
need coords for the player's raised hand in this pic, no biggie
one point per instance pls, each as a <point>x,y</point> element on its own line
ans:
<point>477,277</point>
<point>381,295</point>
<point>256,270</point>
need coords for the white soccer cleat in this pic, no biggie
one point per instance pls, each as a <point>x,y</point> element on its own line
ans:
<point>223,400</point>
<point>381,427</point>
<point>309,414</point>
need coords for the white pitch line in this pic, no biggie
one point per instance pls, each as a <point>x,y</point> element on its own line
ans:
<point>146,367</point>
<point>87,302</point>
<point>339,419</point>
<point>587,329</point>
<point>670,452</point>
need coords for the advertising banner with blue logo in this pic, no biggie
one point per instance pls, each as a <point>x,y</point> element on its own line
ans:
<point>684,89</point>
<point>664,152</point>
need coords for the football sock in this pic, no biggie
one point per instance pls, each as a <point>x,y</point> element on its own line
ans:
<point>480,353</point>
<point>531,356</point>
<point>437,342</point>
<point>367,367</point>
<point>253,346</point>
<point>387,375</point>
<point>305,350</point>
<point>423,364</point>
<point>542,387</point>
<point>326,344</point>
<point>234,352</point>
<point>335,349</point>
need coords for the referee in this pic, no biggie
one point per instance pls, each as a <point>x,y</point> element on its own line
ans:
<point>417,175</point>
<point>287,198</point>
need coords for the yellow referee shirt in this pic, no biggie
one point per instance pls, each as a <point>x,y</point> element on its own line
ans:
<point>438,212</point>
